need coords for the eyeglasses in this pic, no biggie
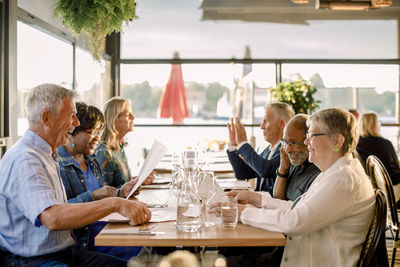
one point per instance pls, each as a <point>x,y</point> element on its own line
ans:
<point>312,135</point>
<point>93,132</point>
<point>286,143</point>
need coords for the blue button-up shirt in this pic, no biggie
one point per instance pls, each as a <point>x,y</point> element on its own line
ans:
<point>29,184</point>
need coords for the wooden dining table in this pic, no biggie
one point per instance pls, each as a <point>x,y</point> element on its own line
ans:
<point>166,235</point>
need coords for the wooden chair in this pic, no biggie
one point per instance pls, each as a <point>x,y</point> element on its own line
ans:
<point>374,251</point>
<point>381,179</point>
<point>356,155</point>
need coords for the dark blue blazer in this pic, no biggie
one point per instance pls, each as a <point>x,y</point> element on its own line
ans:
<point>247,164</point>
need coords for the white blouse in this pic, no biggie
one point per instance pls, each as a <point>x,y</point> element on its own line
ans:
<point>328,225</point>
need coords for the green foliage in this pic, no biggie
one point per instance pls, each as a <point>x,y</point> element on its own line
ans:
<point>298,94</point>
<point>96,18</point>
<point>383,104</point>
<point>144,98</point>
<point>214,92</point>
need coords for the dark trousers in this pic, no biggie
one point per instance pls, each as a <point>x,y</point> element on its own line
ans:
<point>252,256</point>
<point>67,257</point>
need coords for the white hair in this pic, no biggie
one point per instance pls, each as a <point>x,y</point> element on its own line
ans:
<point>283,111</point>
<point>45,97</point>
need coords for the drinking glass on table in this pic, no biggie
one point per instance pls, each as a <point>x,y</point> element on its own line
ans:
<point>207,189</point>
<point>176,170</point>
<point>189,207</point>
<point>190,159</point>
<point>202,156</point>
<point>229,211</point>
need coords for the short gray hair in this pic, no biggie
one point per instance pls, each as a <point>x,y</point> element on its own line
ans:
<point>45,97</point>
<point>283,111</point>
<point>338,121</point>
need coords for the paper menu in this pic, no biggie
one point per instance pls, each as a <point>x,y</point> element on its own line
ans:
<point>157,215</point>
<point>157,151</point>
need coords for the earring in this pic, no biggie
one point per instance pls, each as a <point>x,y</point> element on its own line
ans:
<point>335,149</point>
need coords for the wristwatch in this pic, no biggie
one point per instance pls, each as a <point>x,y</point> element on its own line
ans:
<point>282,175</point>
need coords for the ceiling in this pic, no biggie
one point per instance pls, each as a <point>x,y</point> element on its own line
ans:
<point>285,11</point>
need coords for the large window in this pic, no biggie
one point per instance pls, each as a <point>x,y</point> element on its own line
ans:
<point>366,87</point>
<point>214,92</point>
<point>92,78</point>
<point>36,67</point>
<point>93,81</point>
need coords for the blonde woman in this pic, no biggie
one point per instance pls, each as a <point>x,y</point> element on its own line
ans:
<point>110,154</point>
<point>372,143</point>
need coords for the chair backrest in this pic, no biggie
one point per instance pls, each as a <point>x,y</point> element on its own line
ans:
<point>381,179</point>
<point>357,155</point>
<point>374,247</point>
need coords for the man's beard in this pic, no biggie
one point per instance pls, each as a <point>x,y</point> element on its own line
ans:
<point>300,157</point>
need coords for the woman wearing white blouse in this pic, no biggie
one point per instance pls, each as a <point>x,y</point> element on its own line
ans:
<point>328,224</point>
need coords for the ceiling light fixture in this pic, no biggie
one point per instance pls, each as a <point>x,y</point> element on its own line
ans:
<point>301,1</point>
<point>343,5</point>
<point>381,3</point>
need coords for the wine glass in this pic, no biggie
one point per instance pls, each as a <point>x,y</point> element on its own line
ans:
<point>207,189</point>
<point>176,171</point>
<point>189,159</point>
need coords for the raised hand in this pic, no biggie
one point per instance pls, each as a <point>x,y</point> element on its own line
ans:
<point>241,135</point>
<point>103,192</point>
<point>232,133</point>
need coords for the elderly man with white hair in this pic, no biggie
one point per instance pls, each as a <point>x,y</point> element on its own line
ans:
<point>36,223</point>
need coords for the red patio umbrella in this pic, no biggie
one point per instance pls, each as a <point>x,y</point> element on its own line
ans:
<point>173,99</point>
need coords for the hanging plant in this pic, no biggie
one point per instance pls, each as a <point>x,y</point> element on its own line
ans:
<point>298,94</point>
<point>96,18</point>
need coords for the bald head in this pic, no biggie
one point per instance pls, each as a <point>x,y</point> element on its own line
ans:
<point>298,122</point>
<point>294,135</point>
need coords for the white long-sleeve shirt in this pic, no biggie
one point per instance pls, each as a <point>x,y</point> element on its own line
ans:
<point>328,226</point>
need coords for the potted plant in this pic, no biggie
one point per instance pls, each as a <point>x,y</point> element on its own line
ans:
<point>299,94</point>
<point>96,18</point>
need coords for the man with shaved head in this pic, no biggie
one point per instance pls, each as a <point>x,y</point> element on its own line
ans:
<point>295,173</point>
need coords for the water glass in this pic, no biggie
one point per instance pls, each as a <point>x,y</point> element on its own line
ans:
<point>207,189</point>
<point>176,170</point>
<point>189,159</point>
<point>229,211</point>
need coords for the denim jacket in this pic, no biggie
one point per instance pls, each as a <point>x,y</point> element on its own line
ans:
<point>75,187</point>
